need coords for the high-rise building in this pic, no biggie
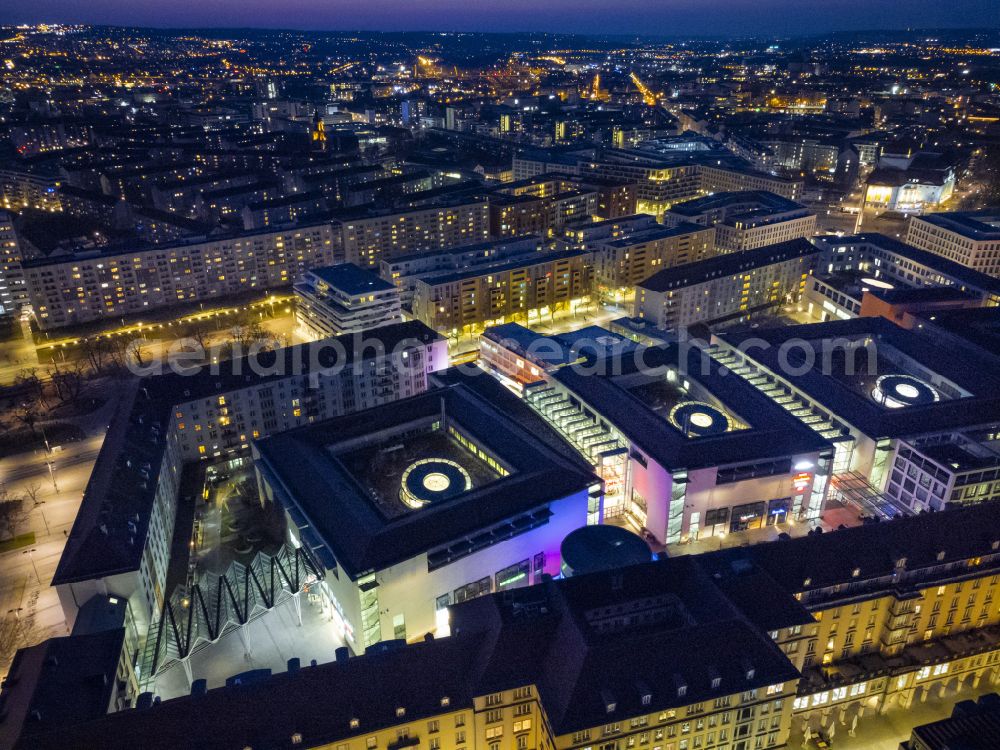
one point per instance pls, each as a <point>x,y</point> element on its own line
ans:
<point>13,293</point>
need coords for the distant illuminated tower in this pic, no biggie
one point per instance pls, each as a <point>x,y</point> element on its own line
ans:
<point>318,132</point>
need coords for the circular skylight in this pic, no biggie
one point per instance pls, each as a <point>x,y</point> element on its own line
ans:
<point>431,480</point>
<point>696,418</point>
<point>899,391</point>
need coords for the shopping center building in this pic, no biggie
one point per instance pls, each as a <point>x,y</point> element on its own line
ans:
<point>426,502</point>
<point>882,394</point>
<point>685,449</point>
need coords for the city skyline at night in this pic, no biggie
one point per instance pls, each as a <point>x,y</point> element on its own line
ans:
<point>512,376</point>
<point>663,18</point>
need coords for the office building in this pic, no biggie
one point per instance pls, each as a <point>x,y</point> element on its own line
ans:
<point>894,276</point>
<point>518,356</point>
<point>745,220</point>
<point>970,239</point>
<point>120,541</point>
<point>878,391</point>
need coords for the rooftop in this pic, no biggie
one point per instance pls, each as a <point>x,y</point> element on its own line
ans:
<point>522,261</point>
<point>964,378</point>
<point>700,617</point>
<point>565,637</point>
<point>976,225</point>
<point>979,326</point>
<point>59,682</point>
<point>739,201</point>
<point>971,726</point>
<point>821,561</point>
<point>962,275</point>
<point>759,428</point>
<point>351,279</point>
<point>654,234</point>
<point>559,348</point>
<point>344,488</point>
<point>722,266</point>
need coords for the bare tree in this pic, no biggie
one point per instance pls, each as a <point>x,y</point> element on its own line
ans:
<point>28,377</point>
<point>31,492</point>
<point>199,332</point>
<point>14,512</point>
<point>10,637</point>
<point>134,351</point>
<point>27,413</point>
<point>97,350</point>
<point>68,381</point>
<point>245,336</point>
<point>124,353</point>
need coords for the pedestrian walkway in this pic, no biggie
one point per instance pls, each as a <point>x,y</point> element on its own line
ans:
<point>885,731</point>
<point>833,516</point>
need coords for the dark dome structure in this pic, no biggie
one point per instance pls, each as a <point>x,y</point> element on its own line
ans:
<point>591,549</point>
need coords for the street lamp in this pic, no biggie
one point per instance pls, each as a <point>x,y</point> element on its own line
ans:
<point>38,505</point>
<point>48,461</point>
<point>31,557</point>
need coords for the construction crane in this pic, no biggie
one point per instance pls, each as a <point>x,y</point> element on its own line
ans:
<point>647,96</point>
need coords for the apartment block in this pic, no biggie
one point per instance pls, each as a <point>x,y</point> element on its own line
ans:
<point>345,299</point>
<point>526,288</point>
<point>13,294</point>
<point>366,238</point>
<point>89,286</point>
<point>621,263</point>
<point>728,287</point>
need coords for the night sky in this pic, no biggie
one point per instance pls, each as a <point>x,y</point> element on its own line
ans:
<point>666,17</point>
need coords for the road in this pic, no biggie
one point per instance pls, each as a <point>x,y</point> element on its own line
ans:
<point>275,312</point>
<point>25,573</point>
<point>26,596</point>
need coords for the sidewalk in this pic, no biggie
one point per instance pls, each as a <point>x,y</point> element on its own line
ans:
<point>885,732</point>
<point>833,516</point>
